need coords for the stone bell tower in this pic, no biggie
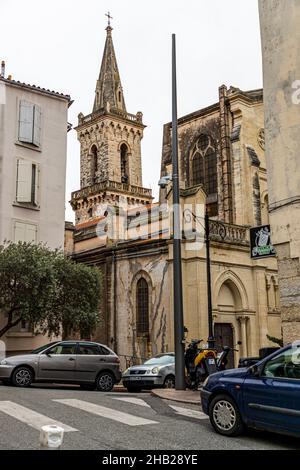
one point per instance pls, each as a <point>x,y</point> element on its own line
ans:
<point>110,146</point>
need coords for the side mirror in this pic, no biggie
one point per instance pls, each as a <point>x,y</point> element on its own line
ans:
<point>48,354</point>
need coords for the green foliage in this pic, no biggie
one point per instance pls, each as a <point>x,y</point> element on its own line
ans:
<point>48,290</point>
<point>278,341</point>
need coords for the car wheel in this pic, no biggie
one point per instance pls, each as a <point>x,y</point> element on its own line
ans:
<point>225,416</point>
<point>134,389</point>
<point>22,377</point>
<point>169,382</point>
<point>105,382</point>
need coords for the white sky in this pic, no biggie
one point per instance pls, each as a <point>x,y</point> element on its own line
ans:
<point>58,44</point>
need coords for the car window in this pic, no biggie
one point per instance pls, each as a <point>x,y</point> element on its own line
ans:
<point>162,360</point>
<point>104,351</point>
<point>63,349</point>
<point>41,348</point>
<point>89,349</point>
<point>285,365</point>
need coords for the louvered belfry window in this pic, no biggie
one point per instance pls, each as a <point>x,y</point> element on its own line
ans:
<point>142,303</point>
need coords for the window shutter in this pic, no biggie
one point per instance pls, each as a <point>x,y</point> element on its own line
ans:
<point>31,233</point>
<point>36,184</point>
<point>19,232</point>
<point>26,122</point>
<point>24,181</point>
<point>37,126</point>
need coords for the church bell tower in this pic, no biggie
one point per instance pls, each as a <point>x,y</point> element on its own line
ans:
<point>110,146</point>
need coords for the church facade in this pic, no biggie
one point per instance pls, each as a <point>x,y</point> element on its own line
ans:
<point>120,229</point>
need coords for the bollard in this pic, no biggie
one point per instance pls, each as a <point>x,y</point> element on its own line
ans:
<point>51,437</point>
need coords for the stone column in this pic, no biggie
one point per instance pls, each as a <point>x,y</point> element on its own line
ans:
<point>243,322</point>
<point>280,33</point>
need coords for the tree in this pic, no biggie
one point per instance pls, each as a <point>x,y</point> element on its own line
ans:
<point>47,290</point>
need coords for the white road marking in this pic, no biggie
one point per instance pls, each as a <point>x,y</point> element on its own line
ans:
<point>135,401</point>
<point>188,412</point>
<point>30,417</point>
<point>105,412</point>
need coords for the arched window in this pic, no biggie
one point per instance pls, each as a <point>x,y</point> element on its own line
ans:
<point>94,163</point>
<point>142,307</point>
<point>204,170</point>
<point>124,164</point>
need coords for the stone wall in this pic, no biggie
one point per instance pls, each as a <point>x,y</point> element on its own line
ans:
<point>281,66</point>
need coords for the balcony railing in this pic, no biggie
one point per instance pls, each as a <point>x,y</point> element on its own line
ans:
<point>138,118</point>
<point>96,188</point>
<point>220,231</point>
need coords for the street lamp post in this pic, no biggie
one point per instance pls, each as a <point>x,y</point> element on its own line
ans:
<point>211,339</point>
<point>177,270</point>
<point>188,214</point>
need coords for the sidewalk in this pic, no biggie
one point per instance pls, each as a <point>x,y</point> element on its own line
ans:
<point>183,396</point>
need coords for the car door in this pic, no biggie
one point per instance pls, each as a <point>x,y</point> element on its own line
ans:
<point>58,363</point>
<point>89,361</point>
<point>272,398</point>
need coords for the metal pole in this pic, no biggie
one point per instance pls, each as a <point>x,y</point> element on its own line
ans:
<point>211,339</point>
<point>177,271</point>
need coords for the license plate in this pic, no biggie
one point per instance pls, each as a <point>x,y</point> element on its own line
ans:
<point>136,378</point>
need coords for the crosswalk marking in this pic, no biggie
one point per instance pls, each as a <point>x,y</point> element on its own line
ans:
<point>30,417</point>
<point>179,409</point>
<point>135,401</point>
<point>105,412</point>
<point>188,412</point>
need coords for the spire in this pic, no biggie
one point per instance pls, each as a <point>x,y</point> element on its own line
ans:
<point>109,93</point>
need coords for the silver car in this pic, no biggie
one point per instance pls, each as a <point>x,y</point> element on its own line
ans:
<point>159,371</point>
<point>91,365</point>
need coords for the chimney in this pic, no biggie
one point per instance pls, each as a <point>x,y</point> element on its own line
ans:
<point>2,69</point>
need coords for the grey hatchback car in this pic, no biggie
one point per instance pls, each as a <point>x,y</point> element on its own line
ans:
<point>159,371</point>
<point>91,365</point>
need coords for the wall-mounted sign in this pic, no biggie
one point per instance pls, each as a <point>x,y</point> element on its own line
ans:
<point>260,242</point>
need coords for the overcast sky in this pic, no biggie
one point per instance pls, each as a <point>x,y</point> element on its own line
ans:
<point>58,44</point>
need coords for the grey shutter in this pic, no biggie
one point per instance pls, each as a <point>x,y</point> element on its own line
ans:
<point>26,122</point>
<point>37,126</point>
<point>24,181</point>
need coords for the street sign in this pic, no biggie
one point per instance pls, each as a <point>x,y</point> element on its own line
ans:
<point>260,242</point>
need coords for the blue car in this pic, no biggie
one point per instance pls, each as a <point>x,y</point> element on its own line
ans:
<point>264,396</point>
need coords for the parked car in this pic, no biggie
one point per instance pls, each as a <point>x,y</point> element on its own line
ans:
<point>159,371</point>
<point>264,396</point>
<point>86,363</point>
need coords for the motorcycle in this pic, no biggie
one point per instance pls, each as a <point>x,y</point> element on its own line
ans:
<point>199,363</point>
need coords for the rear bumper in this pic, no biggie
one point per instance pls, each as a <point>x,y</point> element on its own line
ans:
<point>149,382</point>
<point>205,396</point>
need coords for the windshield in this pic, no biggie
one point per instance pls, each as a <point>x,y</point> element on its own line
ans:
<point>161,360</point>
<point>41,348</point>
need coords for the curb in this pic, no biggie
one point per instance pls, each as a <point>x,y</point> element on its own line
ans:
<point>156,393</point>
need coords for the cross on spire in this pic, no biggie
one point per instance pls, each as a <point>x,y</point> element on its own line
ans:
<point>108,18</point>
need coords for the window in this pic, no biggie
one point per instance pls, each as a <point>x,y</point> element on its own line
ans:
<point>142,303</point>
<point>30,123</point>
<point>27,182</point>
<point>89,349</point>
<point>124,163</point>
<point>285,365</point>
<point>204,169</point>
<point>68,348</point>
<point>24,232</point>
<point>94,163</point>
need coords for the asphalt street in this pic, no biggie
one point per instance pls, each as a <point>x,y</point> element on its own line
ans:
<point>116,421</point>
